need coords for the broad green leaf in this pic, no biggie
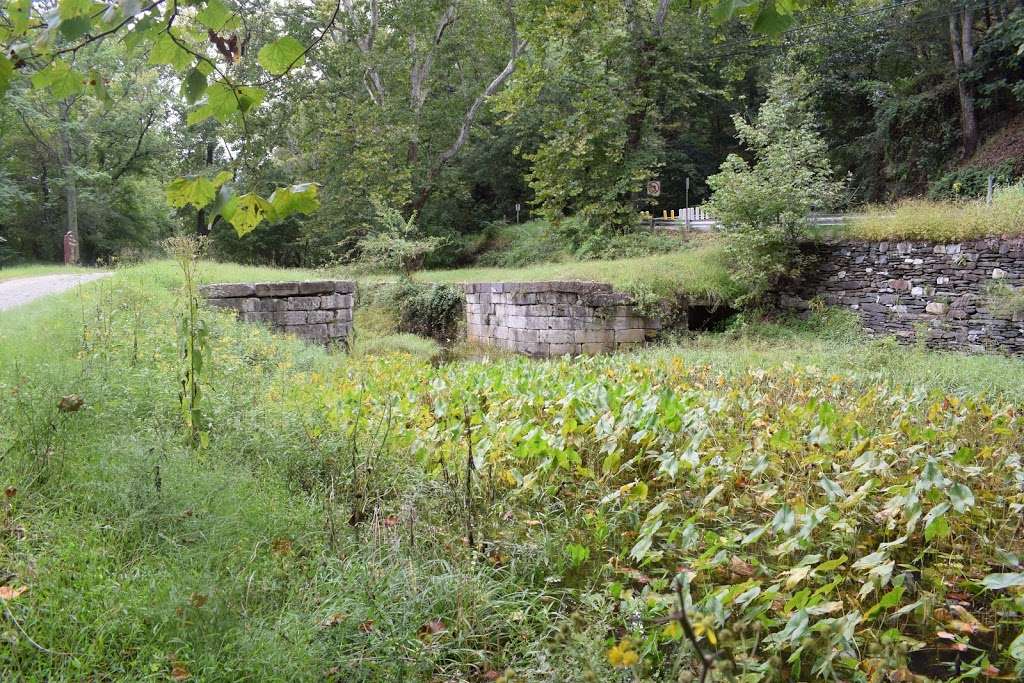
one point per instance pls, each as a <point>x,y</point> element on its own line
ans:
<point>829,565</point>
<point>199,115</point>
<point>224,196</point>
<point>166,51</point>
<point>146,28</point>
<point>887,601</point>
<point>197,191</point>
<point>19,11</point>
<point>998,582</point>
<point>1016,649</point>
<point>723,11</point>
<point>248,211</point>
<point>794,630</point>
<point>302,198</point>
<point>770,21</point>
<point>937,528</point>
<point>221,178</point>
<point>249,98</point>
<point>194,86</point>
<point>220,104</point>
<point>282,54</point>
<point>218,17</point>
<point>75,27</point>
<point>69,9</point>
<point>60,79</point>
<point>961,497</point>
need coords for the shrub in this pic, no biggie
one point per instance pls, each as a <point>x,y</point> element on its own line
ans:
<point>920,219</point>
<point>764,207</point>
<point>630,245</point>
<point>970,182</point>
<point>429,310</point>
<point>515,246</point>
<point>397,243</point>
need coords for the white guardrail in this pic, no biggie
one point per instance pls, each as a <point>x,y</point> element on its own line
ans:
<point>697,220</point>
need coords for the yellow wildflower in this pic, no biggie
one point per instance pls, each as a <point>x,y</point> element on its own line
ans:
<point>622,655</point>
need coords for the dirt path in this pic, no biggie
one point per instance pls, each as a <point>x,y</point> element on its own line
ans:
<point>23,290</point>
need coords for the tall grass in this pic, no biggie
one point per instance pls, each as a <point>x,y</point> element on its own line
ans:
<point>700,272</point>
<point>934,221</point>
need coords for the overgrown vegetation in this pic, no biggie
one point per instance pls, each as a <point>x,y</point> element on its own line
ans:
<point>763,207</point>
<point>429,310</point>
<point>944,221</point>
<point>382,518</point>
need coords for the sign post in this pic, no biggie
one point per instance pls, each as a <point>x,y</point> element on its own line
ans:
<point>70,249</point>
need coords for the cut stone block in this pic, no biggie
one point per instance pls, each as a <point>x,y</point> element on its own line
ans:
<point>226,291</point>
<point>303,303</point>
<point>265,289</point>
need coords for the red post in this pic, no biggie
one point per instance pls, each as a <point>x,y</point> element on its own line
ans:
<point>70,249</point>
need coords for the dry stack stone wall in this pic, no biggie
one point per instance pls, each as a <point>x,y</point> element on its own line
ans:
<point>555,318</point>
<point>944,292</point>
<point>320,311</point>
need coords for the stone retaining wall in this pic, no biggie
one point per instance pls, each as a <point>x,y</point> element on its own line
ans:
<point>554,318</point>
<point>315,311</point>
<point>943,291</point>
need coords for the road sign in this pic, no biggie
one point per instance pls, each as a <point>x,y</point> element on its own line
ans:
<point>654,188</point>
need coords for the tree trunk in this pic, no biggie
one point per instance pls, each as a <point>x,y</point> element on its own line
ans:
<point>961,41</point>
<point>67,162</point>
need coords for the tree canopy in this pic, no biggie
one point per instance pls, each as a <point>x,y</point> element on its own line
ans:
<point>286,124</point>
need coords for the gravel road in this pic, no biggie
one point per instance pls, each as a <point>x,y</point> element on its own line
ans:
<point>23,290</point>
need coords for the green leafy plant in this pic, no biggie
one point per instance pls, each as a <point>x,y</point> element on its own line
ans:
<point>764,206</point>
<point>428,310</point>
<point>193,337</point>
<point>396,243</point>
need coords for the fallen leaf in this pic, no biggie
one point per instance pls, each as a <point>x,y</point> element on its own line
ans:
<point>198,600</point>
<point>432,628</point>
<point>366,626</point>
<point>10,491</point>
<point>946,635</point>
<point>963,626</point>
<point>533,522</point>
<point>180,673</point>
<point>10,593</point>
<point>333,620</point>
<point>490,675</point>
<point>741,567</point>
<point>281,546</point>
<point>391,521</point>
<point>71,403</point>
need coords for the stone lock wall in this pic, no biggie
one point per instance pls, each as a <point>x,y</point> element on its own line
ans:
<point>320,311</point>
<point>554,318</point>
<point>943,291</point>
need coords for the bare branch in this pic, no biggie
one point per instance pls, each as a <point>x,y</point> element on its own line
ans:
<point>375,86</point>
<point>467,123</point>
<point>138,146</point>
